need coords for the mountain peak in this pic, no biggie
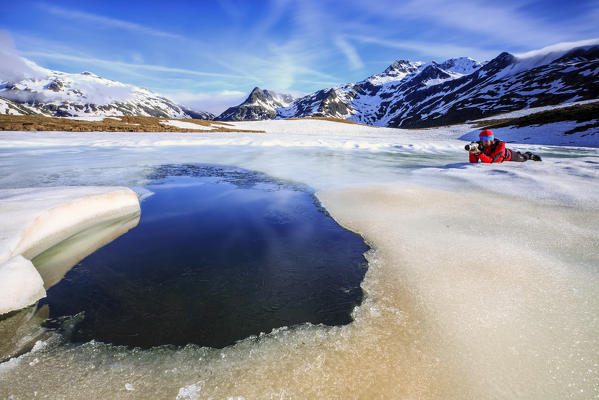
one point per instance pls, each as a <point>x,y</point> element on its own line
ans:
<point>460,65</point>
<point>256,95</point>
<point>402,66</point>
<point>500,62</point>
<point>260,104</point>
<point>395,72</point>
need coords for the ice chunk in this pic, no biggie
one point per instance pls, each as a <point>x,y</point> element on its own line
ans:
<point>191,392</point>
<point>20,284</point>
<point>54,263</point>
<point>35,219</point>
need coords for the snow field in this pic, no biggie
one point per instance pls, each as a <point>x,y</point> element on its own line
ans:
<point>482,282</point>
<point>185,125</point>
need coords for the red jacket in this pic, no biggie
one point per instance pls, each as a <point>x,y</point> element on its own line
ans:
<point>492,154</point>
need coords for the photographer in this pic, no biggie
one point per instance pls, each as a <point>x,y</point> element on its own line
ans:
<point>491,150</point>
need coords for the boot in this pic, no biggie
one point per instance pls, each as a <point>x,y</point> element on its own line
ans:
<point>533,157</point>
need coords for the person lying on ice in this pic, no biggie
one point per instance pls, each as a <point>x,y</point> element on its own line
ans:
<point>491,150</point>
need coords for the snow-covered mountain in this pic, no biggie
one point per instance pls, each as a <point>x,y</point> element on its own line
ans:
<point>260,104</point>
<point>506,83</point>
<point>355,101</point>
<point>62,94</point>
<point>347,101</point>
<point>415,94</point>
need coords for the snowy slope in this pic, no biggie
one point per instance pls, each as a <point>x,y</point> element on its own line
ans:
<point>9,107</point>
<point>501,87</point>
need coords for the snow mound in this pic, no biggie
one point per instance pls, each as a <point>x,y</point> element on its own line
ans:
<point>186,125</point>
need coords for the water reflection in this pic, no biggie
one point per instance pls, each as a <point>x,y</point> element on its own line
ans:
<point>220,254</point>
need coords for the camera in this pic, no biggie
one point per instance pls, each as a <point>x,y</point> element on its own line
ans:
<point>475,146</point>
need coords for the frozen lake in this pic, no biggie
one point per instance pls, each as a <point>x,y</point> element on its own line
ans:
<point>219,254</point>
<point>482,283</point>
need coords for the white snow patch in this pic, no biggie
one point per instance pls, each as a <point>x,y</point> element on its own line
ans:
<point>90,118</point>
<point>186,125</point>
<point>589,71</point>
<point>20,284</point>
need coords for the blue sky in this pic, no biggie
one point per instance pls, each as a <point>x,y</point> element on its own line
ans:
<point>212,53</point>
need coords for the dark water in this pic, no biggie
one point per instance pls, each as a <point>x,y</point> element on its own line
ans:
<point>219,254</point>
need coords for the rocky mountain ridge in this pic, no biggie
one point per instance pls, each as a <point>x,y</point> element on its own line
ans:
<point>415,94</point>
<point>260,104</point>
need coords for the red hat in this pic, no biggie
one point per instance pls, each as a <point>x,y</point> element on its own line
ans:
<point>487,134</point>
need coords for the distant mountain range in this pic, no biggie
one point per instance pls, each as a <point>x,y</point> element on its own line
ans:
<point>407,94</point>
<point>415,95</point>
<point>60,94</point>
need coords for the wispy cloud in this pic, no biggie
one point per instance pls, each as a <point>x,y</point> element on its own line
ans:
<point>436,50</point>
<point>555,50</point>
<point>350,52</point>
<point>117,65</point>
<point>12,66</point>
<point>106,21</point>
<point>506,21</point>
<point>286,45</point>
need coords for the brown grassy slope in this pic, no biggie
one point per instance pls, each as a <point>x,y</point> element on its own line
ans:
<point>578,113</point>
<point>124,124</point>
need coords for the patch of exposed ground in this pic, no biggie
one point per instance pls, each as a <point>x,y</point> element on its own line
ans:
<point>109,124</point>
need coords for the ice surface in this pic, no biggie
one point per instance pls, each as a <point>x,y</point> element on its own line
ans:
<point>483,282</point>
<point>33,220</point>
<point>509,285</point>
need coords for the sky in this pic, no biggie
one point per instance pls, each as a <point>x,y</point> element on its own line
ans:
<point>211,54</point>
